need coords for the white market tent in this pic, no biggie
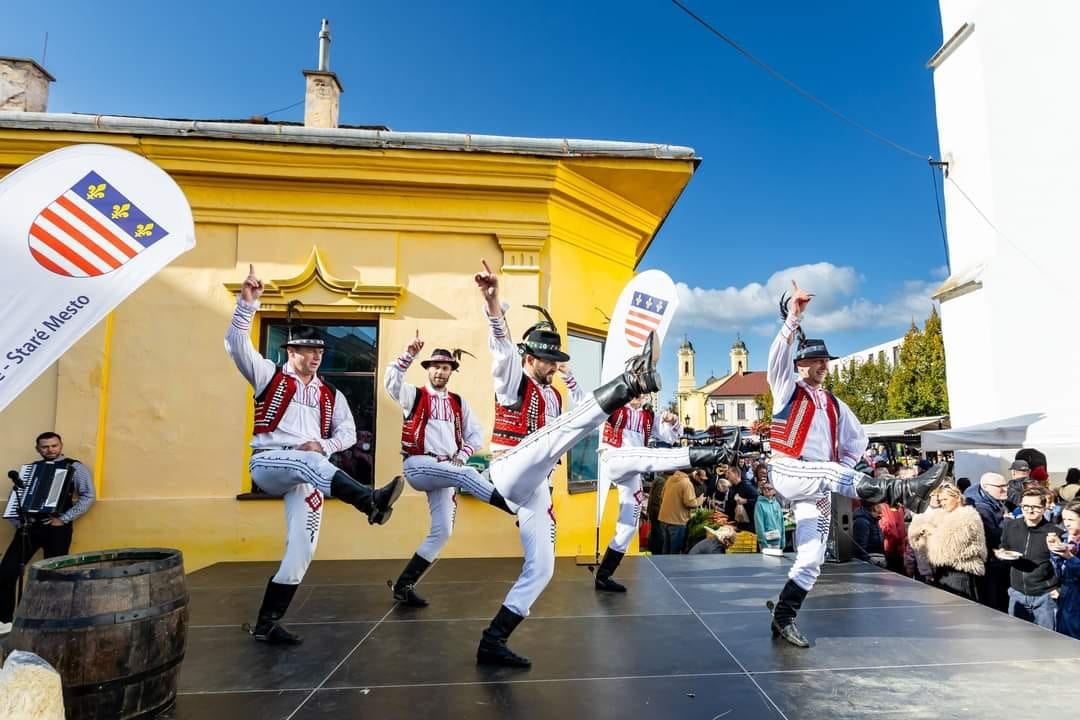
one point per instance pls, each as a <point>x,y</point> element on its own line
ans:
<point>1046,432</point>
<point>905,430</point>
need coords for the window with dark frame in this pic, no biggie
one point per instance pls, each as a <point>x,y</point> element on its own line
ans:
<point>587,361</point>
<point>740,410</point>
<point>349,364</point>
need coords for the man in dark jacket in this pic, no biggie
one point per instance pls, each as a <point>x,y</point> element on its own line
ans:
<point>866,533</point>
<point>741,492</point>
<point>988,499</point>
<point>1021,473</point>
<point>1031,579</point>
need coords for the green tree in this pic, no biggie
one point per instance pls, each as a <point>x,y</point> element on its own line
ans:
<point>764,401</point>
<point>864,387</point>
<point>917,387</point>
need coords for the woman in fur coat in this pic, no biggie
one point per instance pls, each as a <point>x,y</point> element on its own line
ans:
<point>952,540</point>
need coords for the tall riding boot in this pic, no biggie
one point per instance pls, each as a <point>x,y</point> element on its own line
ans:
<point>493,650</point>
<point>500,502</point>
<point>376,504</point>
<point>913,493</point>
<point>403,588</point>
<point>611,560</point>
<point>783,619</point>
<point>640,378</point>
<point>707,456</point>
<point>275,603</point>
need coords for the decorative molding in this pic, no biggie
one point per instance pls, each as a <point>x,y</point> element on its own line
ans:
<point>378,299</point>
<point>521,253</point>
<point>950,46</point>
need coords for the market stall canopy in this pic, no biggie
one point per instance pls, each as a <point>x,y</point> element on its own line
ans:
<point>906,430</point>
<point>1013,432</point>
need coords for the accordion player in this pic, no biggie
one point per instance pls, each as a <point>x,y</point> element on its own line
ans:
<point>48,489</point>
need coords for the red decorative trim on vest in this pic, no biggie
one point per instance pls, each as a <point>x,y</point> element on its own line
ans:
<point>513,423</point>
<point>271,403</point>
<point>789,429</point>
<point>414,429</point>
<point>616,424</point>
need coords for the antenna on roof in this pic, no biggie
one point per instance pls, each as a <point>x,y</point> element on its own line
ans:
<point>324,46</point>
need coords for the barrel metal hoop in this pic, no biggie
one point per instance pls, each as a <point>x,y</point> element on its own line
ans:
<point>64,568</point>
<point>92,688</point>
<point>113,618</point>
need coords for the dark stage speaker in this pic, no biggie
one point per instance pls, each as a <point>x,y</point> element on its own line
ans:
<point>838,548</point>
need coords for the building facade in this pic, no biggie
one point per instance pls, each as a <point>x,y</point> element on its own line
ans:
<point>886,352</point>
<point>1008,138</point>
<point>378,235</point>
<point>727,400</point>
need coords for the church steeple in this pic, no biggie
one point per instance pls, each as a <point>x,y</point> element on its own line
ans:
<point>740,357</point>
<point>687,376</point>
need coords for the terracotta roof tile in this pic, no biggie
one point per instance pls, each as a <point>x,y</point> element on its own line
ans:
<point>747,384</point>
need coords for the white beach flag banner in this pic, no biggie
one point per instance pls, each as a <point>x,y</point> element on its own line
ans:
<point>647,303</point>
<point>80,229</point>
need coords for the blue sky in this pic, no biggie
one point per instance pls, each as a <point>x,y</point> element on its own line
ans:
<point>784,189</point>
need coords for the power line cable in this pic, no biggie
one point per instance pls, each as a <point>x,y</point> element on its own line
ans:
<point>937,204</point>
<point>797,88</point>
<point>287,107</point>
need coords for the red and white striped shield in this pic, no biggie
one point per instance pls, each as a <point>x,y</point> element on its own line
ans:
<point>643,317</point>
<point>90,230</point>
<point>81,228</point>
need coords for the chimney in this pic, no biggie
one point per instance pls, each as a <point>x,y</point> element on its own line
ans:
<point>24,85</point>
<point>323,93</point>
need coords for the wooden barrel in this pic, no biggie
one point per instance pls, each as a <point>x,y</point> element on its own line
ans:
<point>113,623</point>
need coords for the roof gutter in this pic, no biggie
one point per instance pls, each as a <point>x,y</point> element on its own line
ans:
<point>343,137</point>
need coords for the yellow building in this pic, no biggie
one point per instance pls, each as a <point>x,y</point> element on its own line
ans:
<point>727,400</point>
<point>376,232</point>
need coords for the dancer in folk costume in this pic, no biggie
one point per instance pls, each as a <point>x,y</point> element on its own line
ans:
<point>438,435</point>
<point>816,441</point>
<point>625,455</point>
<point>531,433</point>
<point>300,420</point>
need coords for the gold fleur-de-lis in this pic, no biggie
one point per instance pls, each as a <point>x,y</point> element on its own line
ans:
<point>120,211</point>
<point>144,229</point>
<point>95,192</point>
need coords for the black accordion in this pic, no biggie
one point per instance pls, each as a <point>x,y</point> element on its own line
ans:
<point>48,489</point>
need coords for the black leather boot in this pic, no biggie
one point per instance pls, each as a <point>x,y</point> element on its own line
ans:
<point>611,560</point>
<point>707,456</point>
<point>403,588</point>
<point>784,612</point>
<point>500,502</point>
<point>493,650</point>
<point>275,602</point>
<point>640,378</point>
<point>376,504</point>
<point>913,493</point>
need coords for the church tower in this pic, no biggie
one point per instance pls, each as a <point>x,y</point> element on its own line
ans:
<point>687,378</point>
<point>740,357</point>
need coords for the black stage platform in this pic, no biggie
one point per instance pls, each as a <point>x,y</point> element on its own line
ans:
<point>689,641</point>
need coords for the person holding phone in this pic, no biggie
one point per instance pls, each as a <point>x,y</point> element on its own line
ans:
<point>1065,557</point>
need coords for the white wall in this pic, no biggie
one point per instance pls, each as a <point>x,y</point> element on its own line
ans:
<point>731,410</point>
<point>1007,114</point>
<point>859,356</point>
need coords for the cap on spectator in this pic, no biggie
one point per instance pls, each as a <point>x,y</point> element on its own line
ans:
<point>1039,474</point>
<point>1020,466</point>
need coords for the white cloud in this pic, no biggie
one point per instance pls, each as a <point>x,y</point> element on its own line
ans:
<point>836,306</point>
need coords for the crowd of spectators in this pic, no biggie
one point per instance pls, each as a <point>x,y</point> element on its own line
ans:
<point>1012,544</point>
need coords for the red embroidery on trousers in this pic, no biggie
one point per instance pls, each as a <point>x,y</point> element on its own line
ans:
<point>314,500</point>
